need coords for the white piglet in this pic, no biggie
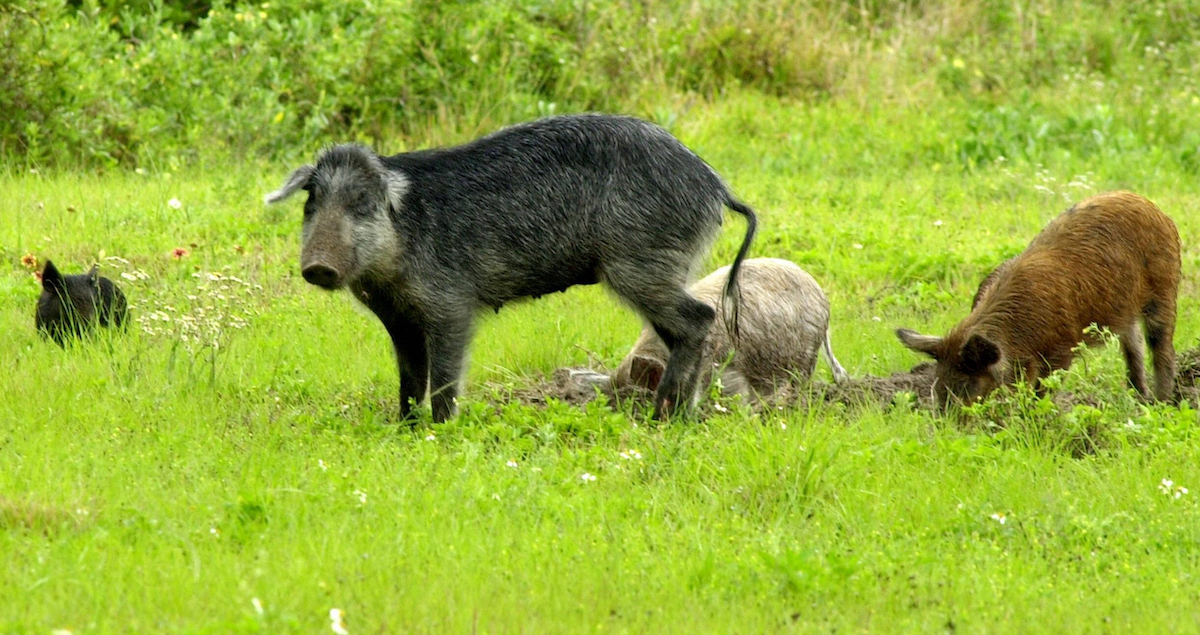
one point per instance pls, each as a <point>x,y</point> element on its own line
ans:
<point>783,322</point>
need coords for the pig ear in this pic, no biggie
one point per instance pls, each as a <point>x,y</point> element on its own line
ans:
<point>928,344</point>
<point>51,278</point>
<point>93,275</point>
<point>978,354</point>
<point>397,187</point>
<point>298,179</point>
<point>646,372</point>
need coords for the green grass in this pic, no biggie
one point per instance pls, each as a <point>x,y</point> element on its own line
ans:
<point>146,487</point>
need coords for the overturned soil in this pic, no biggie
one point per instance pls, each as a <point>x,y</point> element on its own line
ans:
<point>580,386</point>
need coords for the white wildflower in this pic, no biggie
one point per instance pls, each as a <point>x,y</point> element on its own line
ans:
<point>174,203</point>
<point>1169,488</point>
<point>258,607</point>
<point>588,477</point>
<point>999,517</point>
<point>337,622</point>
<point>511,463</point>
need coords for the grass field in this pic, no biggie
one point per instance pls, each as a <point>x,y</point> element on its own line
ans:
<point>152,484</point>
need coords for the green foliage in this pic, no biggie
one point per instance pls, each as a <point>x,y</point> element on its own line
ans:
<point>141,82</point>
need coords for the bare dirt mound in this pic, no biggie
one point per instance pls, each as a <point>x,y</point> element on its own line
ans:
<point>1187,376</point>
<point>579,386</point>
<point>883,390</point>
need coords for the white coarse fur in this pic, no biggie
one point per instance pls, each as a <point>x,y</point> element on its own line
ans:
<point>784,323</point>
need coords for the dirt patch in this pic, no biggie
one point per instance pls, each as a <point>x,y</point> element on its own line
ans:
<point>883,390</point>
<point>1187,376</point>
<point>579,386</point>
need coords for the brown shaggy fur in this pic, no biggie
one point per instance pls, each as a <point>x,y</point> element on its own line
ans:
<point>1112,260</point>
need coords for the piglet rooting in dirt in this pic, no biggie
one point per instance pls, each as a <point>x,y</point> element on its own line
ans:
<point>73,305</point>
<point>1112,260</point>
<point>783,324</point>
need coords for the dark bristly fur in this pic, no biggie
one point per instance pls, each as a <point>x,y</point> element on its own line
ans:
<point>428,239</point>
<point>73,305</point>
<point>1112,260</point>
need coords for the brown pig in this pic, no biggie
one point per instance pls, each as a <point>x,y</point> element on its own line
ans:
<point>1111,260</point>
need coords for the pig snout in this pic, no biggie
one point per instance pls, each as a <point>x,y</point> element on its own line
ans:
<point>322,275</point>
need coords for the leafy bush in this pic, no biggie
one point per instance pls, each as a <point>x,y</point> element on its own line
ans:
<point>123,82</point>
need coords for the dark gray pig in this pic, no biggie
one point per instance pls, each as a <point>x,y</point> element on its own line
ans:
<point>73,305</point>
<point>428,239</point>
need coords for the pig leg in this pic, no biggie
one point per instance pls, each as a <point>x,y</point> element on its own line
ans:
<point>447,346</point>
<point>683,330</point>
<point>1032,375</point>
<point>1135,358</point>
<point>682,321</point>
<point>408,340</point>
<point>1160,334</point>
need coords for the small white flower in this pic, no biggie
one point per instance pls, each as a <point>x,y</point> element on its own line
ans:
<point>782,425</point>
<point>215,532</point>
<point>630,455</point>
<point>321,464</point>
<point>511,463</point>
<point>1169,488</point>
<point>719,408</point>
<point>876,318</point>
<point>999,517</point>
<point>588,477</point>
<point>857,245</point>
<point>431,437</point>
<point>337,622</point>
<point>174,203</point>
<point>362,496</point>
<point>258,608</point>
<point>937,223</point>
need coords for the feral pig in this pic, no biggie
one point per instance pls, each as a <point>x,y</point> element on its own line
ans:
<point>989,282</point>
<point>427,239</point>
<point>73,305</point>
<point>1110,260</point>
<point>784,322</point>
